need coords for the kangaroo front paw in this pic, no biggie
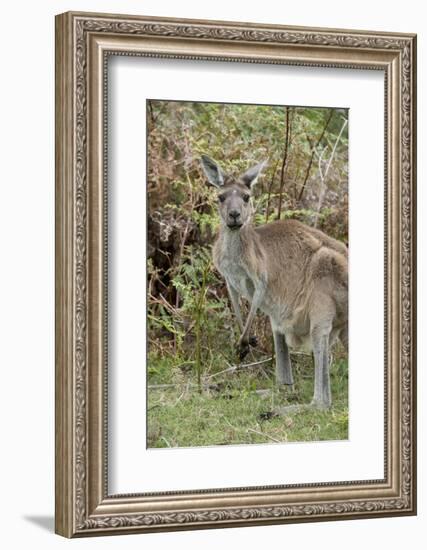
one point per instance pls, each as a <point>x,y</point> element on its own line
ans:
<point>242,348</point>
<point>253,341</point>
<point>320,404</point>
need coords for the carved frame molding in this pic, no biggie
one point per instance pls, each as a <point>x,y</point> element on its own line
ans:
<point>83,43</point>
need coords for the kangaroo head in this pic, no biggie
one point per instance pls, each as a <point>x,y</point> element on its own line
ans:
<point>234,194</point>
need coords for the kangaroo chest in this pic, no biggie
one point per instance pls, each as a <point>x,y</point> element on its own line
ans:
<point>236,276</point>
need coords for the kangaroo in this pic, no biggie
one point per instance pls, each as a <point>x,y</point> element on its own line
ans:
<point>293,273</point>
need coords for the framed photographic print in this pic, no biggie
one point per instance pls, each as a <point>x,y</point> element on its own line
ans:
<point>235,274</point>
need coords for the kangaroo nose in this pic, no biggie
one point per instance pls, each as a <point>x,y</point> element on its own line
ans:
<point>234,214</point>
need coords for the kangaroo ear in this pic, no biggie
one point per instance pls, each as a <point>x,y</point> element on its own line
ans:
<point>250,177</point>
<point>213,172</point>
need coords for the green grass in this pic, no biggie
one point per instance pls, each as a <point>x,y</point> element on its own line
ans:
<point>231,408</point>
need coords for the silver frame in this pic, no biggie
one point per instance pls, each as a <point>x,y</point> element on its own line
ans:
<point>83,43</point>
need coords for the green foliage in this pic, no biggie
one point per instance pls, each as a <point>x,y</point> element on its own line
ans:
<point>191,281</point>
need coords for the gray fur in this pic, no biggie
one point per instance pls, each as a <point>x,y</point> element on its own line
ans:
<point>212,171</point>
<point>295,274</point>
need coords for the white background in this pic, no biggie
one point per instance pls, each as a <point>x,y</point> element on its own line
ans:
<point>132,80</point>
<point>27,275</point>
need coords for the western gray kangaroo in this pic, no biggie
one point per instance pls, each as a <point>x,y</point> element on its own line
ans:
<point>294,273</point>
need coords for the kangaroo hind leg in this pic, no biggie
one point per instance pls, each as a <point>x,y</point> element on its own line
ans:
<point>283,361</point>
<point>320,331</point>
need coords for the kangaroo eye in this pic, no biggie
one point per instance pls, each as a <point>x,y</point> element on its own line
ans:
<point>246,198</point>
<point>221,198</point>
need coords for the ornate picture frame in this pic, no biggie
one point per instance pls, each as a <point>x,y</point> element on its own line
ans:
<point>84,42</point>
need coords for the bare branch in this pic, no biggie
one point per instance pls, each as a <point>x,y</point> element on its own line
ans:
<point>239,367</point>
<point>267,212</point>
<point>284,164</point>
<point>264,435</point>
<point>323,175</point>
<point>313,151</point>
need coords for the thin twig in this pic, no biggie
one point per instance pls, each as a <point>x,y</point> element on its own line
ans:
<point>162,386</point>
<point>166,441</point>
<point>264,435</point>
<point>232,368</point>
<point>162,301</point>
<point>284,164</point>
<point>189,385</point>
<point>323,175</point>
<point>239,367</point>
<point>313,151</point>
<point>261,392</point>
<point>267,211</point>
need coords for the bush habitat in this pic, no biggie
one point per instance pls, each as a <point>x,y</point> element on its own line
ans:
<point>198,393</point>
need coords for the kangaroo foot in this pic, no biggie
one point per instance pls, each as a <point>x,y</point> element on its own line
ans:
<point>320,405</point>
<point>244,344</point>
<point>242,349</point>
